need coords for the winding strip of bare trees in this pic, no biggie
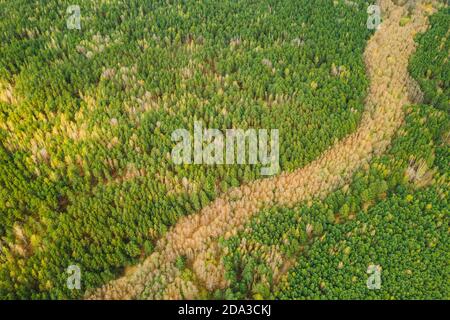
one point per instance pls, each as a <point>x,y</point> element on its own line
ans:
<point>195,236</point>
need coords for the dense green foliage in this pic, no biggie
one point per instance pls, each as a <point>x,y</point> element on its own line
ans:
<point>85,174</point>
<point>86,118</point>
<point>406,235</point>
<point>384,217</point>
<point>394,214</point>
<point>430,66</point>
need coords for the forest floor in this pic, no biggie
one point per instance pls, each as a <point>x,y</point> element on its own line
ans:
<point>196,236</point>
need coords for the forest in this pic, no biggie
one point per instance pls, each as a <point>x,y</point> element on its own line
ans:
<point>87,178</point>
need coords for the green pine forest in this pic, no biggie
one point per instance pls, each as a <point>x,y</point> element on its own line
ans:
<point>86,176</point>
